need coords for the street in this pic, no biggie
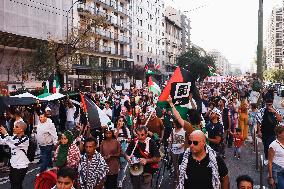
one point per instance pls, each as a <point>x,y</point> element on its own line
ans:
<point>246,165</point>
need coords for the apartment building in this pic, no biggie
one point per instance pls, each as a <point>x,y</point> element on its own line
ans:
<point>108,60</point>
<point>185,32</point>
<point>23,25</point>
<point>274,43</point>
<point>221,62</point>
<point>148,34</point>
<point>173,38</point>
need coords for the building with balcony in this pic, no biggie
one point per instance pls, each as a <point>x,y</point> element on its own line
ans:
<point>107,60</point>
<point>221,62</point>
<point>173,45</point>
<point>274,41</point>
<point>148,34</point>
<point>23,26</point>
<point>185,32</point>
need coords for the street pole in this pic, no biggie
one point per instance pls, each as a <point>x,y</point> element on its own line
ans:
<point>260,42</point>
<point>67,48</point>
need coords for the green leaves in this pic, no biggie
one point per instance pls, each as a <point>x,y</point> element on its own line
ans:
<point>274,75</point>
<point>197,62</point>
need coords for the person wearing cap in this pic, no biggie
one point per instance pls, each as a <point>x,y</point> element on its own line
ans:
<point>267,119</point>
<point>215,130</point>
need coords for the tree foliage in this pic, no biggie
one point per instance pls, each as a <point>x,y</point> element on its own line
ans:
<point>137,72</point>
<point>274,75</point>
<point>51,56</point>
<point>197,63</point>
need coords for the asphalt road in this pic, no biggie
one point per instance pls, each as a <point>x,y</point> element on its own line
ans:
<point>246,165</point>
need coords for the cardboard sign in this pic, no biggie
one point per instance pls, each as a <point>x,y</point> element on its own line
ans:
<point>139,84</point>
<point>118,88</point>
<point>180,92</point>
<point>127,85</point>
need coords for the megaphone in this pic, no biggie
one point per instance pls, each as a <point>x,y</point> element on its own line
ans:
<point>136,168</point>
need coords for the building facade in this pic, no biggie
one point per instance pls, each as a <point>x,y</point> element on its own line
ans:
<point>221,62</point>
<point>23,25</point>
<point>274,43</point>
<point>173,38</point>
<point>148,34</point>
<point>108,60</point>
<point>185,32</point>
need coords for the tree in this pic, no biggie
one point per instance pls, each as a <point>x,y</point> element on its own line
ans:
<point>197,63</point>
<point>137,72</point>
<point>51,56</point>
<point>274,75</point>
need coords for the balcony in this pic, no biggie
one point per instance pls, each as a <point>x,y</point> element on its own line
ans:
<point>94,47</point>
<point>110,35</point>
<point>112,4</point>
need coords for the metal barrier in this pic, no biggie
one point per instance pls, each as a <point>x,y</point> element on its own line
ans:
<point>256,151</point>
<point>261,172</point>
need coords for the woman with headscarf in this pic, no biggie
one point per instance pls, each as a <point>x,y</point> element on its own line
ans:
<point>67,153</point>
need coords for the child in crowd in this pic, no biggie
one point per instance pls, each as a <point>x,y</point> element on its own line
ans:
<point>238,142</point>
<point>252,118</point>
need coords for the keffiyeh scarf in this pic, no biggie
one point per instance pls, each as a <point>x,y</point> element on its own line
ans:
<point>92,171</point>
<point>212,164</point>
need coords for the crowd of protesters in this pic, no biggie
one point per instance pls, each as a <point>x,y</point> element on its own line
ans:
<point>143,133</point>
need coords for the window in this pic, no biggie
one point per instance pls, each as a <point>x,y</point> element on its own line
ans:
<point>141,58</point>
<point>138,45</point>
<point>163,24</point>
<point>138,58</point>
<point>140,22</point>
<point>141,47</point>
<point>138,32</point>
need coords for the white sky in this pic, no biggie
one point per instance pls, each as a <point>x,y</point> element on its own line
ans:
<point>229,26</point>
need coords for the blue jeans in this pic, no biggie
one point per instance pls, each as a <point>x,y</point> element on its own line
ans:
<point>45,157</point>
<point>267,140</point>
<point>237,151</point>
<point>278,175</point>
<point>69,125</point>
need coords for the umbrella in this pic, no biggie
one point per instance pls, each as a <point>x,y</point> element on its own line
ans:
<point>43,95</point>
<point>24,95</point>
<point>52,97</point>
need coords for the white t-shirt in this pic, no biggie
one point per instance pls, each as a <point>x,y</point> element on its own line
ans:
<point>178,139</point>
<point>279,153</point>
<point>121,135</point>
<point>70,113</point>
<point>108,112</point>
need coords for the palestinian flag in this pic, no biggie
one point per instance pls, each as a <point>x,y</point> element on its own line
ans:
<point>157,66</point>
<point>212,71</point>
<point>179,76</point>
<point>55,87</point>
<point>150,72</point>
<point>153,87</point>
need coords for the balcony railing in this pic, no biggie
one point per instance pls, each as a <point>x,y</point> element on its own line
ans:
<point>112,3</point>
<point>104,49</point>
<point>111,35</point>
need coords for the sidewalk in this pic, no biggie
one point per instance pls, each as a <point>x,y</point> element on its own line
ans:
<point>246,165</point>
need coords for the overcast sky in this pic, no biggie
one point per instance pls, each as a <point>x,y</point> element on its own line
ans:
<point>229,26</point>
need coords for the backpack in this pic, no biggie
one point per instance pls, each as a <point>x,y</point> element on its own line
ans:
<point>31,149</point>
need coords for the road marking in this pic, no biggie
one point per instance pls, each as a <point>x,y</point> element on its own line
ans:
<point>7,178</point>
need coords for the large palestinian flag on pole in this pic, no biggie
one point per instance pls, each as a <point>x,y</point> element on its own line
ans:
<point>179,76</point>
<point>153,87</point>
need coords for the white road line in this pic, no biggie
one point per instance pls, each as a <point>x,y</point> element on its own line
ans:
<point>7,178</point>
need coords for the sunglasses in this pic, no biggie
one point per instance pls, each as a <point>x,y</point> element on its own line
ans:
<point>195,143</point>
